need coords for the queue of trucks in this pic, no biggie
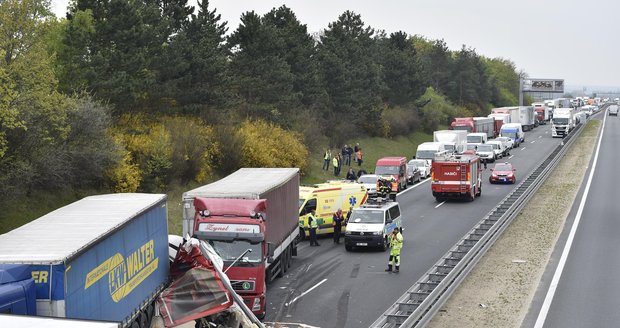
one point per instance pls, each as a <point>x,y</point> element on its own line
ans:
<point>107,258</point>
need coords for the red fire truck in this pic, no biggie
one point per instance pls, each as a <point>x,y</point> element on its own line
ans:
<point>456,176</point>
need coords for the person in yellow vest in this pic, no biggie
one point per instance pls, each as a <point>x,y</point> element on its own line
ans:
<point>313,224</point>
<point>336,164</point>
<point>396,243</point>
<point>326,157</point>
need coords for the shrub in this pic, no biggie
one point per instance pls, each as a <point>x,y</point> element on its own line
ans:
<point>401,121</point>
<point>267,145</point>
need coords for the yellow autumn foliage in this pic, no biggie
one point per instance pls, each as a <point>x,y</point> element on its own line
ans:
<point>268,145</point>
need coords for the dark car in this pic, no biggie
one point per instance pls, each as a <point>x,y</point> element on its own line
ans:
<point>413,174</point>
<point>503,173</point>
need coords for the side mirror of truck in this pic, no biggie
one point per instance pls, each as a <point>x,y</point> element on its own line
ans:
<point>270,251</point>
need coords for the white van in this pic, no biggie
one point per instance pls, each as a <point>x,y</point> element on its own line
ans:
<point>513,131</point>
<point>371,224</point>
<point>427,150</point>
<point>477,138</point>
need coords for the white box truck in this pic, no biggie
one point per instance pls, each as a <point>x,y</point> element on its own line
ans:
<point>454,141</point>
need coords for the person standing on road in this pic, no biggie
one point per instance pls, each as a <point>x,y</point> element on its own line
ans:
<point>396,243</point>
<point>338,219</point>
<point>313,226</point>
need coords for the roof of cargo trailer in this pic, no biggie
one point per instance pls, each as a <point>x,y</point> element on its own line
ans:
<point>248,183</point>
<point>59,235</point>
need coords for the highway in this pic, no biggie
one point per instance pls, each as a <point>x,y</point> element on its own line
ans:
<point>580,286</point>
<point>330,287</point>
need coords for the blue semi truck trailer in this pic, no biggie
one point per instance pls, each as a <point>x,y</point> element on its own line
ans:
<point>100,258</point>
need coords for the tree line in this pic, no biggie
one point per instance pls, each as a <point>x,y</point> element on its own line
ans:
<point>132,95</point>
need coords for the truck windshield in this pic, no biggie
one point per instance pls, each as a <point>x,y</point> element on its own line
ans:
<point>367,217</point>
<point>381,170</point>
<point>560,120</point>
<point>229,251</point>
<point>462,127</point>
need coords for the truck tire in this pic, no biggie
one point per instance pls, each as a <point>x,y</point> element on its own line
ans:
<point>479,193</point>
<point>472,195</point>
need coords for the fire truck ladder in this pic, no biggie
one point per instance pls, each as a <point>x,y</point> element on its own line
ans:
<point>463,169</point>
<point>417,306</point>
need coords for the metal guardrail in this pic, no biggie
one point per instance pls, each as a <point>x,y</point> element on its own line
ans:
<point>417,306</point>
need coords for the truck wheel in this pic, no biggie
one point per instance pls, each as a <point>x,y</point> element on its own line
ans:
<point>472,195</point>
<point>479,193</point>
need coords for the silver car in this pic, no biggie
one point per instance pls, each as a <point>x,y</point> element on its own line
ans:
<point>509,143</point>
<point>423,165</point>
<point>370,182</point>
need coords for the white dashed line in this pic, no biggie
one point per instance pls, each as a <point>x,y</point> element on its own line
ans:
<point>511,156</point>
<point>440,204</point>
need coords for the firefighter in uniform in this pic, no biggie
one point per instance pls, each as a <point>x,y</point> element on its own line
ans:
<point>396,243</point>
<point>384,187</point>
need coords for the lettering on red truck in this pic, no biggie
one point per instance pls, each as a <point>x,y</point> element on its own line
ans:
<point>222,227</point>
<point>450,173</point>
<point>125,274</point>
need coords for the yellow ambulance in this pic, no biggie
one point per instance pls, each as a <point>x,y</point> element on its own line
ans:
<point>326,199</point>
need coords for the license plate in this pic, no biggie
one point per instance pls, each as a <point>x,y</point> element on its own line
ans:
<point>361,244</point>
<point>503,179</point>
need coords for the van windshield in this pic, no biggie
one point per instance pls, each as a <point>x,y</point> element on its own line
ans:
<point>485,147</point>
<point>425,154</point>
<point>474,139</point>
<point>384,170</point>
<point>512,135</point>
<point>373,216</point>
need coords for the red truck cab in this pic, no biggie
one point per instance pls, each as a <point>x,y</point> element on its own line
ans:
<point>463,123</point>
<point>234,227</point>
<point>395,167</point>
<point>456,176</point>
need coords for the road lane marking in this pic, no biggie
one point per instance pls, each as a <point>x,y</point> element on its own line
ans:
<point>540,136</point>
<point>306,292</point>
<point>523,148</point>
<point>440,204</point>
<point>511,156</point>
<point>533,141</point>
<point>411,188</point>
<point>542,316</point>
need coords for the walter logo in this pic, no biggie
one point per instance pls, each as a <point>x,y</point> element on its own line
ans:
<point>125,274</point>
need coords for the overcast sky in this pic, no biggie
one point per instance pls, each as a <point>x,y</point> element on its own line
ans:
<point>562,39</point>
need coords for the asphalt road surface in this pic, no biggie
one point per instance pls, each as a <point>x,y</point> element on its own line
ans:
<point>330,287</point>
<point>580,286</point>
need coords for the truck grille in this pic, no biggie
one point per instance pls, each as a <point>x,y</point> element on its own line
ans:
<point>242,285</point>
